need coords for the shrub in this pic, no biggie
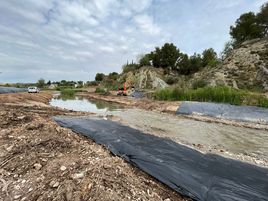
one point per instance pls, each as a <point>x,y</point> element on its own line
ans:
<point>100,90</point>
<point>99,77</point>
<point>67,92</point>
<point>199,84</point>
<point>92,83</point>
<point>220,94</point>
<point>130,67</point>
<point>171,80</point>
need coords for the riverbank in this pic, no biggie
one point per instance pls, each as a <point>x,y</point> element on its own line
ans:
<point>167,107</point>
<point>40,160</point>
<point>144,103</point>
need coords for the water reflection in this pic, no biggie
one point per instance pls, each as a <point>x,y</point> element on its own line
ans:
<point>76,103</point>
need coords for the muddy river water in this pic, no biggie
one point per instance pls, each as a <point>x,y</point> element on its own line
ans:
<point>236,140</point>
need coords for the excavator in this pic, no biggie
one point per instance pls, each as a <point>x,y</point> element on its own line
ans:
<point>122,91</point>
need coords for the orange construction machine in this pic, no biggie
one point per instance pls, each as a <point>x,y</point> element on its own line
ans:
<point>122,91</point>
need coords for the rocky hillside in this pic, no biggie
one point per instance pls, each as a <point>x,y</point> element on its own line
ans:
<point>245,68</point>
<point>145,78</point>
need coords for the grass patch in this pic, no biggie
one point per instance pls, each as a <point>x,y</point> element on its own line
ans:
<point>101,91</point>
<point>68,92</point>
<point>220,94</point>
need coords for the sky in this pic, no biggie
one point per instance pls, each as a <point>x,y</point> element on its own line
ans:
<point>75,39</point>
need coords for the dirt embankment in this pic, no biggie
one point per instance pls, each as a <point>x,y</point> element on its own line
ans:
<point>41,99</point>
<point>147,104</point>
<point>39,160</point>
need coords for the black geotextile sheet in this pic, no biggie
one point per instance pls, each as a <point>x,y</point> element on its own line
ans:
<point>225,111</point>
<point>201,177</point>
<point>6,90</point>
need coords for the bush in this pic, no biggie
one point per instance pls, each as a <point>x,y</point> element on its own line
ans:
<point>199,84</point>
<point>220,94</point>
<point>171,80</point>
<point>130,67</point>
<point>41,83</point>
<point>113,76</point>
<point>67,92</point>
<point>101,90</point>
<point>92,83</point>
<point>99,77</point>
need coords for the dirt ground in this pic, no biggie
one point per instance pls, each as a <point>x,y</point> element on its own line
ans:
<point>39,160</point>
<point>40,99</point>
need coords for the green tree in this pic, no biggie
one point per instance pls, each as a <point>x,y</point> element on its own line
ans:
<point>80,84</point>
<point>49,82</point>
<point>99,77</point>
<point>145,60</point>
<point>246,28</point>
<point>228,47</point>
<point>183,65</point>
<point>157,57</point>
<point>113,75</point>
<point>166,57</point>
<point>209,57</point>
<point>40,83</point>
<point>262,18</point>
<point>169,55</point>
<point>196,63</point>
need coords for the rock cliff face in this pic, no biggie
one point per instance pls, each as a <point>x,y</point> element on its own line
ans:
<point>146,78</point>
<point>245,68</point>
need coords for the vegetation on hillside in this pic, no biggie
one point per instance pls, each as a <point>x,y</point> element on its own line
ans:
<point>170,57</point>
<point>250,26</point>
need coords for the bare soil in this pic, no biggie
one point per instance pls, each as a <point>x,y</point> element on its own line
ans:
<point>39,160</point>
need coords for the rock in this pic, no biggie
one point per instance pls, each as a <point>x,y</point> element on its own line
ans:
<point>21,117</point>
<point>62,168</point>
<point>89,186</point>
<point>58,129</point>
<point>17,197</point>
<point>78,175</point>
<point>54,184</point>
<point>37,166</point>
<point>167,199</point>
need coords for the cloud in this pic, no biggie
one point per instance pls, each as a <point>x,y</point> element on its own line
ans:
<point>74,39</point>
<point>106,49</point>
<point>146,24</point>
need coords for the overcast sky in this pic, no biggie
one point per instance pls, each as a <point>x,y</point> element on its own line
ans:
<point>75,39</point>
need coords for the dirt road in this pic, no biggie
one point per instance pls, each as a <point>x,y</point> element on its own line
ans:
<point>39,160</point>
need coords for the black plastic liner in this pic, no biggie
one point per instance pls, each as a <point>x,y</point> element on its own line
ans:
<point>225,111</point>
<point>6,90</point>
<point>187,171</point>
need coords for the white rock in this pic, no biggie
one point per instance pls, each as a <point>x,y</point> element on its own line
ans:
<point>78,175</point>
<point>54,184</point>
<point>62,168</point>
<point>37,166</point>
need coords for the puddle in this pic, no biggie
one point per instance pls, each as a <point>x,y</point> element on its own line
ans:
<point>81,104</point>
<point>237,140</point>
